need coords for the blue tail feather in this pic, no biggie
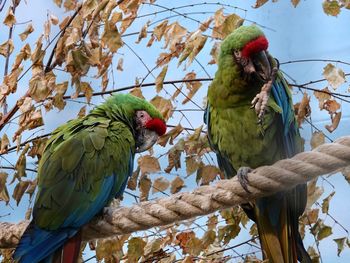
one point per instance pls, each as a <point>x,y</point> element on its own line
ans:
<point>36,244</point>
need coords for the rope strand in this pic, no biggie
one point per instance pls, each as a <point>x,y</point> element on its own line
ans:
<point>265,180</point>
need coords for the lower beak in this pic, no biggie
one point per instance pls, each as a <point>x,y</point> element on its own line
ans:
<point>146,140</point>
<point>262,65</point>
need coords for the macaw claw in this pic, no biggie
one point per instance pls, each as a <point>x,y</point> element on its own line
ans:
<point>259,103</point>
<point>242,176</point>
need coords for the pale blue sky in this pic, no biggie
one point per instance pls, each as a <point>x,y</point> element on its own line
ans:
<point>304,32</point>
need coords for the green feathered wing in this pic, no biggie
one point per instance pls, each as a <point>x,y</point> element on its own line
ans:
<point>85,164</point>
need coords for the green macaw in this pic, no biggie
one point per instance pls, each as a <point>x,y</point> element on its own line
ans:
<point>251,123</point>
<point>86,163</point>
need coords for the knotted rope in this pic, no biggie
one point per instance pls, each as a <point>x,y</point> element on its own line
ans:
<point>265,180</point>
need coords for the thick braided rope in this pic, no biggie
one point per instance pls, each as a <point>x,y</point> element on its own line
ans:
<point>265,180</point>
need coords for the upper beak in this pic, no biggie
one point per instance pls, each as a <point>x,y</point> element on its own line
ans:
<point>262,65</point>
<point>146,140</point>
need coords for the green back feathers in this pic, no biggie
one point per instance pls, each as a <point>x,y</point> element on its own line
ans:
<point>239,38</point>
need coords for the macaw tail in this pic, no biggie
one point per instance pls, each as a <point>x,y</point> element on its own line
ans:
<point>39,245</point>
<point>278,230</point>
<point>70,251</point>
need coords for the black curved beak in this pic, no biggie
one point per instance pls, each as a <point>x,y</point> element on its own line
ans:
<point>262,65</point>
<point>145,140</point>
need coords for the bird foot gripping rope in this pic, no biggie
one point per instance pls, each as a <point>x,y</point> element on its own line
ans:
<point>262,181</point>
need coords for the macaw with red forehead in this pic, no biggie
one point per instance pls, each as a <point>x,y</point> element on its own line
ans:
<point>86,163</point>
<point>251,123</point>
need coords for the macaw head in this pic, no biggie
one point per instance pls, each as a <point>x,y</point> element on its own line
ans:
<point>145,121</point>
<point>248,47</point>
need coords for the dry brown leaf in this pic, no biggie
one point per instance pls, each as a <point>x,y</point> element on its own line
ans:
<point>224,25</point>
<point>120,64</point>
<point>19,190</point>
<point>82,112</point>
<point>143,33</point>
<point>303,109</point>
<point>160,79</point>
<point>38,88</point>
<point>111,249</point>
<point>192,86</point>
<point>313,193</point>
<point>148,164</point>
<point>207,174</point>
<point>193,46</point>
<point>174,34</point>
<point>153,246</point>
<point>322,96</point>
<point>335,122</point>
<point>5,47</point>
<point>10,19</point>
<point>164,58</point>
<point>189,243</point>
<point>159,30</point>
<point>54,19</point>
<point>164,106</point>
<point>5,143</point>
<point>335,76</point>
<point>135,249</point>
<point>87,90</point>
<point>111,38</point>
<point>29,29</point>
<point>145,185</point>
<point>126,22</point>
<point>214,52</point>
<point>31,188</point>
<point>295,2</point>
<point>192,164</point>
<point>132,182</point>
<point>60,90</point>
<point>176,185</point>
<point>137,92</point>
<point>331,106</point>
<point>12,80</point>
<point>37,148</point>
<point>35,120</point>
<point>205,25</point>
<point>77,62</point>
<point>259,3</point>
<point>160,184</point>
<point>174,156</point>
<point>325,203</point>
<point>331,7</point>
<point>70,4</point>
<point>3,179</point>
<point>47,29</point>
<point>24,54</point>
<point>172,134</point>
<point>317,139</point>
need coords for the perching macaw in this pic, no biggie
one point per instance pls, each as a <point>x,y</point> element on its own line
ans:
<point>86,163</point>
<point>251,123</point>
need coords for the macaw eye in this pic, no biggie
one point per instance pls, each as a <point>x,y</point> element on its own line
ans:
<point>142,115</point>
<point>237,53</point>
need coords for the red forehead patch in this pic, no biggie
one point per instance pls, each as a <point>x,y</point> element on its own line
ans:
<point>156,125</point>
<point>255,46</point>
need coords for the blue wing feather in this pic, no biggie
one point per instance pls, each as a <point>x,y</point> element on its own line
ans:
<point>283,100</point>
